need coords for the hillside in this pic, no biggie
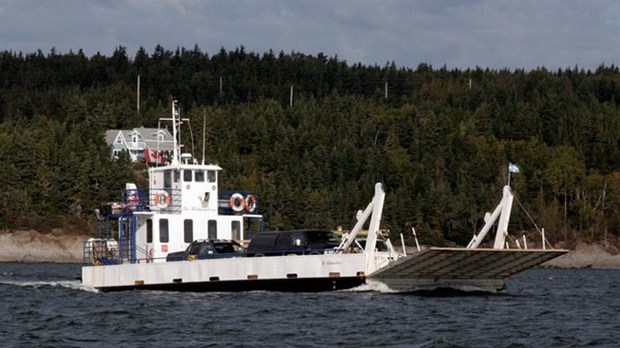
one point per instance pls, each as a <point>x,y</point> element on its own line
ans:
<point>439,140</point>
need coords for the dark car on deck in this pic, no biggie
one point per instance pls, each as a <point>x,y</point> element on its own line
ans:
<point>208,249</point>
<point>298,242</point>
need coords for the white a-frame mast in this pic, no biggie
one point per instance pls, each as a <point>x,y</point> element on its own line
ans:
<point>372,211</point>
<point>502,211</point>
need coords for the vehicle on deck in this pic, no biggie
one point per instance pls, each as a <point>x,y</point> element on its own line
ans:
<point>297,242</point>
<point>208,249</point>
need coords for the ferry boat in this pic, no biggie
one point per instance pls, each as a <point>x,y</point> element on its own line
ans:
<point>183,204</point>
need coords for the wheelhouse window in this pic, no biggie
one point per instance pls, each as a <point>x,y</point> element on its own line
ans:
<point>211,176</point>
<point>199,176</point>
<point>212,229</point>
<point>235,227</point>
<point>149,231</point>
<point>177,176</point>
<point>164,236</point>
<point>187,175</point>
<point>188,231</point>
<point>167,179</point>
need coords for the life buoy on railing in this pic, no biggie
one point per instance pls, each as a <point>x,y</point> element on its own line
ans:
<point>236,202</point>
<point>162,200</point>
<point>250,203</point>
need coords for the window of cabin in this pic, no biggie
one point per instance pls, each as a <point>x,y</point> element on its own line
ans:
<point>199,176</point>
<point>187,175</point>
<point>149,231</point>
<point>177,176</point>
<point>212,229</point>
<point>134,138</point>
<point>164,236</point>
<point>235,227</point>
<point>167,179</point>
<point>188,231</point>
<point>211,176</point>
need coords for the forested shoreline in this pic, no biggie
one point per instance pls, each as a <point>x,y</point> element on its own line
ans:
<point>439,140</point>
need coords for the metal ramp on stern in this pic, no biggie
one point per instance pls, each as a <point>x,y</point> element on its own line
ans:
<point>459,268</point>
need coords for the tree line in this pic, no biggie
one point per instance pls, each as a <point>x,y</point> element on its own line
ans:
<point>438,139</point>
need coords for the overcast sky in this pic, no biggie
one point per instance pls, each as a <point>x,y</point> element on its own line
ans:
<point>460,34</point>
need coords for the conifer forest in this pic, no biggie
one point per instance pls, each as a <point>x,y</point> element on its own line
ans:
<point>312,134</point>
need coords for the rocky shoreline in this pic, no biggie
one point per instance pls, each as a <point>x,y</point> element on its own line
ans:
<point>32,246</point>
<point>588,256</point>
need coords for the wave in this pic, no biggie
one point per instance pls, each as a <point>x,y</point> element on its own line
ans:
<point>372,286</point>
<point>69,284</point>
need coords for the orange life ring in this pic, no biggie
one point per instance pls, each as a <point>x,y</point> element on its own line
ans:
<point>236,202</point>
<point>162,200</point>
<point>250,203</point>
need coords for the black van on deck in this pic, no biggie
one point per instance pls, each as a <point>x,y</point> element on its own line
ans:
<point>298,242</point>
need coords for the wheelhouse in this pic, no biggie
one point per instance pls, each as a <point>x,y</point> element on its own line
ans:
<point>182,204</point>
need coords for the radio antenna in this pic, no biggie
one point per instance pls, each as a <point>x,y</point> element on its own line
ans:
<point>204,132</point>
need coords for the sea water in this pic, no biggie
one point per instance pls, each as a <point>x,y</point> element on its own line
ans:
<point>44,305</point>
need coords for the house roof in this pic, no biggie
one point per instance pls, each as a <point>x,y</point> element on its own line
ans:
<point>147,135</point>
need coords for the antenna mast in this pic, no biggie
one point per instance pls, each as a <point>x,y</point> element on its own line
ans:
<point>204,133</point>
<point>138,95</point>
<point>175,125</point>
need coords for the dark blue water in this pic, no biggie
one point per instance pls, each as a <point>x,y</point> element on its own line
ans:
<point>42,305</point>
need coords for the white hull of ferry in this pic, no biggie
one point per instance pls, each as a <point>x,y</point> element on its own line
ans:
<point>431,269</point>
<point>280,273</point>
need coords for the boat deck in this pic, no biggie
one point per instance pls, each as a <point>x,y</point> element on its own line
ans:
<point>476,269</point>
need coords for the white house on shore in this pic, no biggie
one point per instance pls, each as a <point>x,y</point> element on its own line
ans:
<point>142,144</point>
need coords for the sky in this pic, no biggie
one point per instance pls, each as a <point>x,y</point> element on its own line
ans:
<point>495,34</point>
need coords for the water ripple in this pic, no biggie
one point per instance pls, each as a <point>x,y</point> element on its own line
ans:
<point>45,306</point>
